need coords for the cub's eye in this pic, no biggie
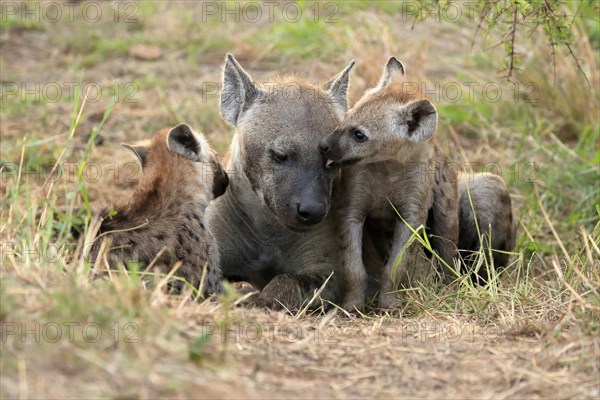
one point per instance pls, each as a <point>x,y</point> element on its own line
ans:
<point>359,136</point>
<point>278,156</point>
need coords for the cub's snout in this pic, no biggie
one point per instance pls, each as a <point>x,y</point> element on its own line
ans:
<point>343,147</point>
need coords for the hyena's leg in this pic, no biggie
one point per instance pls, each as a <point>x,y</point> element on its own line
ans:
<point>213,278</point>
<point>377,245</point>
<point>355,276</point>
<point>293,291</point>
<point>402,234</point>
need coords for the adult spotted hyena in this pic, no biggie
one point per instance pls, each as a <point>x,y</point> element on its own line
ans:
<point>272,224</point>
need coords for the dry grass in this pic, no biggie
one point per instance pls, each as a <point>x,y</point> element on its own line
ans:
<point>531,333</point>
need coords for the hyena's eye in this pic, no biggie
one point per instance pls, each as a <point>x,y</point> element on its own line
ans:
<point>359,136</point>
<point>278,156</point>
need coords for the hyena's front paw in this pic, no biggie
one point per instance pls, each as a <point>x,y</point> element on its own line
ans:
<point>213,285</point>
<point>354,301</point>
<point>262,301</point>
<point>387,297</point>
<point>356,285</point>
<point>387,301</point>
<point>283,292</point>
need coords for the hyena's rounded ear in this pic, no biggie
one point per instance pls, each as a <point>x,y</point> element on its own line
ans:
<point>140,150</point>
<point>183,141</point>
<point>393,70</point>
<point>417,121</point>
<point>220,179</point>
<point>239,91</point>
<point>338,86</point>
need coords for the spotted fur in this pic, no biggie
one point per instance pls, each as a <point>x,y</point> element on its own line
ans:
<point>164,218</point>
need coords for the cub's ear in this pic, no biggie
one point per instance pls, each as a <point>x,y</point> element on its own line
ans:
<point>416,121</point>
<point>220,180</point>
<point>239,91</point>
<point>393,70</point>
<point>183,141</point>
<point>140,150</point>
<point>338,86</point>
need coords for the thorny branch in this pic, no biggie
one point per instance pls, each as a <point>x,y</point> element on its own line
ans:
<point>551,19</point>
<point>512,33</point>
<point>533,12</point>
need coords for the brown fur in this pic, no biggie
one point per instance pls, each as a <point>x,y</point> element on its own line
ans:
<point>394,164</point>
<point>166,212</point>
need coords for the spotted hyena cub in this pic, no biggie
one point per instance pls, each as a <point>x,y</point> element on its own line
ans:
<point>384,147</point>
<point>164,219</point>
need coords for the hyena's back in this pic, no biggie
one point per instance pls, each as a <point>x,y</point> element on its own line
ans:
<point>491,205</point>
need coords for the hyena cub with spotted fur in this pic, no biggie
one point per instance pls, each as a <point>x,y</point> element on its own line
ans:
<point>164,218</point>
<point>383,145</point>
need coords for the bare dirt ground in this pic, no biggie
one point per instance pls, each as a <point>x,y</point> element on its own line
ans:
<point>273,355</point>
<point>426,357</point>
<point>522,338</point>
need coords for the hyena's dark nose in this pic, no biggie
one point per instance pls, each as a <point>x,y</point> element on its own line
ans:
<point>324,147</point>
<point>311,213</point>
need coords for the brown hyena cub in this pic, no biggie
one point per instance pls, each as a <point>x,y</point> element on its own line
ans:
<point>164,218</point>
<point>383,145</point>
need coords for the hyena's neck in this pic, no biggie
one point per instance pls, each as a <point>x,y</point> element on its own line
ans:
<point>405,152</point>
